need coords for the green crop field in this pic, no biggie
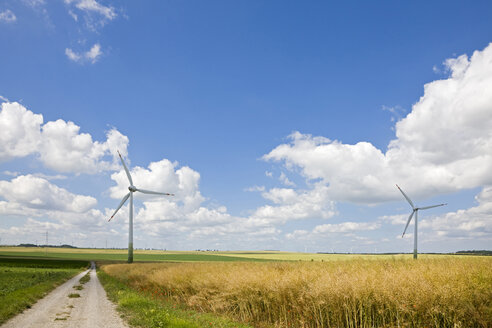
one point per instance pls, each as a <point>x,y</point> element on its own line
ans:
<point>193,256</point>
<point>121,255</point>
<point>23,281</point>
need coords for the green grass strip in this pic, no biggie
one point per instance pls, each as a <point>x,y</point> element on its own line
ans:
<point>142,310</point>
<point>85,279</point>
<point>24,281</point>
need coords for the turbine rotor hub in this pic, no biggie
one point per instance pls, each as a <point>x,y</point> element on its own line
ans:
<point>132,188</point>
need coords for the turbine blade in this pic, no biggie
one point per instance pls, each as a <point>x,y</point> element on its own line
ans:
<point>154,192</point>
<point>408,222</point>
<point>119,206</point>
<point>427,207</point>
<point>126,170</point>
<point>405,195</point>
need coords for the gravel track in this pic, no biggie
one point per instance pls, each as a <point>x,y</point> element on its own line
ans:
<point>91,309</point>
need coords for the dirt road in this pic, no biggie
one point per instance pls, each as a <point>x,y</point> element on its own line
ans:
<point>91,309</point>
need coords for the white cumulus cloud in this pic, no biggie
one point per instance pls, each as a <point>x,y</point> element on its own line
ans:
<point>20,131</point>
<point>290,204</point>
<point>443,145</point>
<point>184,214</point>
<point>285,180</point>
<point>58,144</point>
<point>346,227</point>
<point>161,176</point>
<point>475,222</point>
<point>38,193</point>
<point>64,149</point>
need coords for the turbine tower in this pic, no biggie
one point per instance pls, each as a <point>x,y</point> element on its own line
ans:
<point>132,189</point>
<point>415,211</point>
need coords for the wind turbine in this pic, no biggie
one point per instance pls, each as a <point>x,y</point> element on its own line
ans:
<point>415,211</point>
<point>132,189</point>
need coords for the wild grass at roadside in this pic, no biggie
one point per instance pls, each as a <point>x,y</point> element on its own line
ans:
<point>24,281</point>
<point>142,309</point>
<point>449,292</point>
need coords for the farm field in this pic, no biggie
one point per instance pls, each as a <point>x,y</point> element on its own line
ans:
<point>195,256</point>
<point>121,255</point>
<point>430,292</point>
<point>272,289</point>
<point>291,256</point>
<point>23,281</point>
<point>142,308</point>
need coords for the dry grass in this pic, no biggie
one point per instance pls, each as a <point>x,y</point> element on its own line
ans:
<point>450,292</point>
<point>290,256</point>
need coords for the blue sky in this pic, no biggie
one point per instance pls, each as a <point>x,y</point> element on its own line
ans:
<point>279,125</point>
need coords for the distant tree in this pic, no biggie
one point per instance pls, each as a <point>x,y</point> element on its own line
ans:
<point>27,245</point>
<point>476,252</point>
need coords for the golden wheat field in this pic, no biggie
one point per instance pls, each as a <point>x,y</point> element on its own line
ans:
<point>447,292</point>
